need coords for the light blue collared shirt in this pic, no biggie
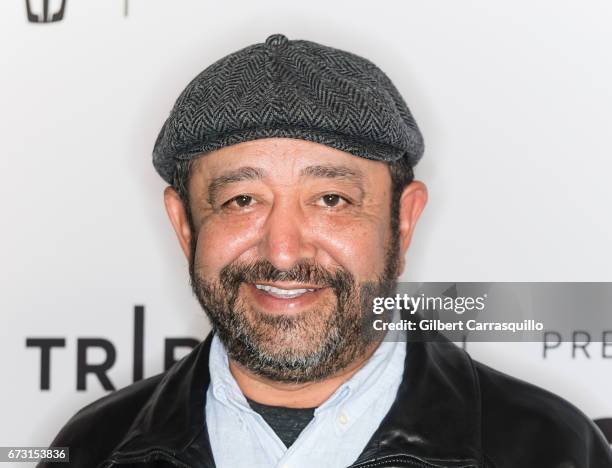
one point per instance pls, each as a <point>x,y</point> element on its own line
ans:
<point>334,438</point>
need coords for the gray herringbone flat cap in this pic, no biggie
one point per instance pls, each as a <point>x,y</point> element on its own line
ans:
<point>293,89</point>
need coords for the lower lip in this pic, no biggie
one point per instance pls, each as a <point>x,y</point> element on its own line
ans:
<point>273,304</point>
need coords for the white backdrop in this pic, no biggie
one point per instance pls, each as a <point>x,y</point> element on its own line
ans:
<point>514,101</point>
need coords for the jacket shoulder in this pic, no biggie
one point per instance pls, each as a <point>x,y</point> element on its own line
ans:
<point>94,431</point>
<point>525,425</point>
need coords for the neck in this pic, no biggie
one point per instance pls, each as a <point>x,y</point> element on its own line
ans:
<point>294,395</point>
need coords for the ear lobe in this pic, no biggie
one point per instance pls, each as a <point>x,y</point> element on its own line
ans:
<point>412,202</point>
<point>178,219</point>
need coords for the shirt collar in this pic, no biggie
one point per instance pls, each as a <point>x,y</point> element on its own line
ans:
<point>224,387</point>
<point>353,398</point>
<point>347,403</point>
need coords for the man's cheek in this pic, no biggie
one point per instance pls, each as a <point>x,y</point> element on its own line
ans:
<point>218,246</point>
<point>359,251</point>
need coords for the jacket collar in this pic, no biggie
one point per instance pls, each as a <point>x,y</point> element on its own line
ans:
<point>435,417</point>
<point>172,423</point>
<point>436,414</point>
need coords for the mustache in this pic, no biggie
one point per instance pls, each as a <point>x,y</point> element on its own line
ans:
<point>232,275</point>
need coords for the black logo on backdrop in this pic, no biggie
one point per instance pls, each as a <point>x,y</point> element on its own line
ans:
<point>582,344</point>
<point>83,365</point>
<point>42,13</point>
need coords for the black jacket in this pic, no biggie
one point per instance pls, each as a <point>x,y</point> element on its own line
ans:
<point>450,411</point>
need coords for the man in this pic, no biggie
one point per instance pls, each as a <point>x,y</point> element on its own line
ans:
<point>292,197</point>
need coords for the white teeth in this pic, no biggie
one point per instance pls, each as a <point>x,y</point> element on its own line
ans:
<point>284,293</point>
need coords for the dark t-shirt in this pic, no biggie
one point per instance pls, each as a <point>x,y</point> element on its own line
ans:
<point>287,423</point>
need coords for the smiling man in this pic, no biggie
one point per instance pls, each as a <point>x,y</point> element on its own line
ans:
<point>278,260</point>
<point>292,197</point>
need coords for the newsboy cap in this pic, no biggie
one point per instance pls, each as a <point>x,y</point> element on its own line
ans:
<point>292,89</point>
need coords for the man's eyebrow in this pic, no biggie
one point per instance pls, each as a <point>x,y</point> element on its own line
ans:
<point>332,172</point>
<point>256,173</point>
<point>232,176</point>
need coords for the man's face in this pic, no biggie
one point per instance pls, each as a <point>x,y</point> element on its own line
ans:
<point>290,242</point>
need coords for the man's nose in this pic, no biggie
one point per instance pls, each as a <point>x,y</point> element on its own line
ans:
<point>287,238</point>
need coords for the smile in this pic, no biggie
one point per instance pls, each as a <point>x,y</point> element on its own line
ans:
<point>282,293</point>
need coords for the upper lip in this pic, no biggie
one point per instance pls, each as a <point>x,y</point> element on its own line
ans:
<point>288,285</point>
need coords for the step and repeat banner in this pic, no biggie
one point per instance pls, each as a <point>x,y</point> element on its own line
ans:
<point>513,100</point>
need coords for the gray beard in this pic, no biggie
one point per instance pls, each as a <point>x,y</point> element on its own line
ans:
<point>310,346</point>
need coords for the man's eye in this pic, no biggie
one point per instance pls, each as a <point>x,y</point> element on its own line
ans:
<point>240,201</point>
<point>332,200</point>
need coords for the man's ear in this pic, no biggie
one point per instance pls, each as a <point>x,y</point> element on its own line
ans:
<point>178,218</point>
<point>412,203</point>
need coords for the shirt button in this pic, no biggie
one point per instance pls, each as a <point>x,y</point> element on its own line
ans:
<point>343,418</point>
